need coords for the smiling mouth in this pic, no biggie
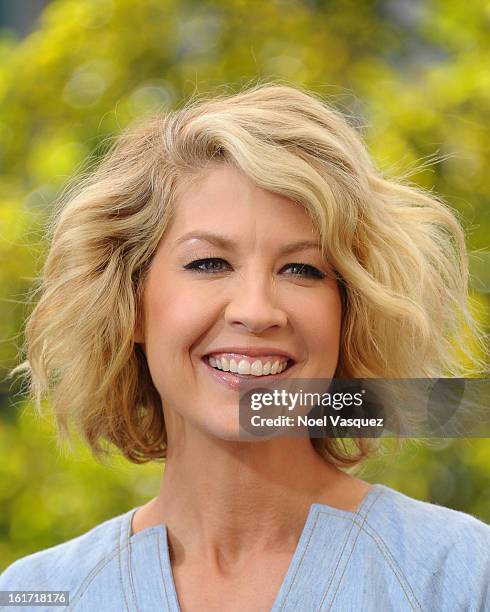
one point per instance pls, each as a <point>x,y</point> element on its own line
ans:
<point>249,369</point>
<point>233,380</point>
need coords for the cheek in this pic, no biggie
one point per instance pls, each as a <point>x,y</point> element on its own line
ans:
<point>323,319</point>
<point>174,320</point>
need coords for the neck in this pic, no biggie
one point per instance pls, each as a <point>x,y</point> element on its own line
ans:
<point>233,500</point>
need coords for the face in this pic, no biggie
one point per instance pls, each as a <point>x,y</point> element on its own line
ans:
<point>230,278</point>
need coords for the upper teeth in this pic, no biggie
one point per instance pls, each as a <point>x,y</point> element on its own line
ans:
<point>243,366</point>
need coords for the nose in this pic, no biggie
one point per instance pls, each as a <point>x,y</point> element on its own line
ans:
<point>253,305</point>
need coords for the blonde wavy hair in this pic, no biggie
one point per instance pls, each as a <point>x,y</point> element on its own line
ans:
<point>398,251</point>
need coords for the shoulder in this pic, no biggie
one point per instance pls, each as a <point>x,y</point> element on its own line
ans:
<point>442,552</point>
<point>406,519</point>
<point>68,564</point>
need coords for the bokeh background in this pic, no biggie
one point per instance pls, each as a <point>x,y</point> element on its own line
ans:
<point>414,76</point>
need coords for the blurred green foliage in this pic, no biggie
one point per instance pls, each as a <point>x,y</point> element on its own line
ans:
<point>416,74</point>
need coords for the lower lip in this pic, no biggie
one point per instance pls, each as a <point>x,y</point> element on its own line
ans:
<point>232,380</point>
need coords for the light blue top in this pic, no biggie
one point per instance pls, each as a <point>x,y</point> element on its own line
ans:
<point>394,553</point>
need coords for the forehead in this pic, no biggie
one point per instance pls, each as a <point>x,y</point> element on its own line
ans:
<point>224,199</point>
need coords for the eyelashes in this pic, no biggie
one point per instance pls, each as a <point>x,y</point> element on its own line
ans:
<point>212,265</point>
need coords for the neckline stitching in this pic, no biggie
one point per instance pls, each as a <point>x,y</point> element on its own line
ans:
<point>370,531</point>
<point>316,509</point>
<point>300,560</point>
<point>319,509</point>
<point>360,510</point>
<point>339,559</point>
<point>162,573</point>
<point>361,525</point>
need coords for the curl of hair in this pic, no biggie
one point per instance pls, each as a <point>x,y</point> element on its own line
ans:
<point>399,253</point>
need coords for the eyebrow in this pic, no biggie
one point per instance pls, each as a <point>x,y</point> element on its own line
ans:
<point>226,243</point>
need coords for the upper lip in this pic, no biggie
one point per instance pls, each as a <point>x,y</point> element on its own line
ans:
<point>263,351</point>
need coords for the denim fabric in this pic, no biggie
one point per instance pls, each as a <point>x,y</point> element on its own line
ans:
<point>394,553</point>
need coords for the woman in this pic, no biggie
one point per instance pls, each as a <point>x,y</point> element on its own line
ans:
<point>249,232</point>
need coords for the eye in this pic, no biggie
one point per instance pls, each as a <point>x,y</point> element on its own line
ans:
<point>305,270</point>
<point>213,265</point>
<point>209,264</point>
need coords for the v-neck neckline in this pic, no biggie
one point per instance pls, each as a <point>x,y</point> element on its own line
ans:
<point>161,567</point>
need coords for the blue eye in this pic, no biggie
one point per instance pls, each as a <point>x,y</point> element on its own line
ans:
<point>213,265</point>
